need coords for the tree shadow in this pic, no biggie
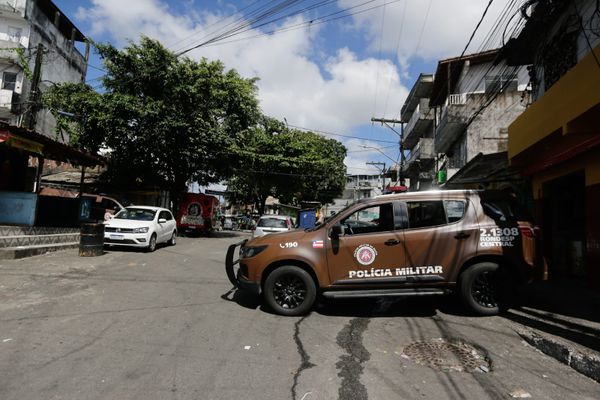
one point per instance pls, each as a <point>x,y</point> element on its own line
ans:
<point>565,297</point>
<point>564,308</point>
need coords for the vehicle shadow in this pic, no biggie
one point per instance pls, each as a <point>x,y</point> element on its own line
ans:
<point>243,298</point>
<point>377,307</point>
<point>131,249</point>
<point>425,306</point>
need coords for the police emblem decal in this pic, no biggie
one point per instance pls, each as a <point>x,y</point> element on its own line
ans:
<point>365,254</point>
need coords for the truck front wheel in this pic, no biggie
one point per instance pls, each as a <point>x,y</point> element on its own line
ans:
<point>290,290</point>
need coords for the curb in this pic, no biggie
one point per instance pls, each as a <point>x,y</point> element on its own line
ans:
<point>13,253</point>
<point>586,364</point>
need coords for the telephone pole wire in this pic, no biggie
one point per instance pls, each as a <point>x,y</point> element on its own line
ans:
<point>387,122</point>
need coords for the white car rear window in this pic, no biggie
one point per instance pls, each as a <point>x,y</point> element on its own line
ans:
<point>272,223</point>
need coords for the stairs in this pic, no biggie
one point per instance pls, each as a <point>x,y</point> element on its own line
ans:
<point>20,242</point>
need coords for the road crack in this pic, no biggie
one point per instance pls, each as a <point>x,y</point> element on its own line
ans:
<point>350,366</point>
<point>305,364</point>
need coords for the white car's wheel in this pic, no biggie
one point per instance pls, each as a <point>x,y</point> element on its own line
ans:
<point>152,243</point>
<point>173,240</point>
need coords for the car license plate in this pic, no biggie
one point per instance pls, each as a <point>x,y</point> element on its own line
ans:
<point>116,237</point>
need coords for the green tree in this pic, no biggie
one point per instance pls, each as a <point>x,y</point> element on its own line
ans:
<point>289,164</point>
<point>163,120</point>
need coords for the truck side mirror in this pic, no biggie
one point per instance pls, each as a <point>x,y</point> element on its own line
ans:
<point>337,231</point>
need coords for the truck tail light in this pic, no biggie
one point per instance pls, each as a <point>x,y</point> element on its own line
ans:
<point>527,231</point>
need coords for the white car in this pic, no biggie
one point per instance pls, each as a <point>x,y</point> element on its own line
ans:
<point>141,226</point>
<point>272,224</point>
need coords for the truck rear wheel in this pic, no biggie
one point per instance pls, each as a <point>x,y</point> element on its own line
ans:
<point>485,287</point>
<point>290,291</point>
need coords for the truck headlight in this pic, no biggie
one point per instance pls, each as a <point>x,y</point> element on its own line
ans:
<point>141,230</point>
<point>248,252</point>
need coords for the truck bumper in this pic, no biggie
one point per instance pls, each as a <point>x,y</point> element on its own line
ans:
<point>232,269</point>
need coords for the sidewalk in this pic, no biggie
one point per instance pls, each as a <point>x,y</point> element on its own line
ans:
<point>562,319</point>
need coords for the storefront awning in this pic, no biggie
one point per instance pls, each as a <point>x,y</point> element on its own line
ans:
<point>37,144</point>
<point>484,169</point>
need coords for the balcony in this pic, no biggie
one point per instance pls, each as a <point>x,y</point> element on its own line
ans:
<point>422,155</point>
<point>453,121</point>
<point>418,125</point>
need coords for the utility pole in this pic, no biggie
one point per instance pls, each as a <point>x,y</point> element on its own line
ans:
<point>387,122</point>
<point>34,95</point>
<point>382,173</point>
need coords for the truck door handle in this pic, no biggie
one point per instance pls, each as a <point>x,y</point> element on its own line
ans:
<point>391,242</point>
<point>462,235</point>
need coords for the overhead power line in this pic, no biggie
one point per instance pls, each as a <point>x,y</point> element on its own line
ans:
<point>315,21</point>
<point>339,134</point>
<point>476,28</point>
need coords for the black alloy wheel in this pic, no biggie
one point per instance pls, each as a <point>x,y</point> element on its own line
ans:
<point>290,290</point>
<point>485,288</point>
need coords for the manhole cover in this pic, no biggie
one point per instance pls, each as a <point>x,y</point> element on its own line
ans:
<point>447,355</point>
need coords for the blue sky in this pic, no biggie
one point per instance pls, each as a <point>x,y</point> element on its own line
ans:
<point>329,77</point>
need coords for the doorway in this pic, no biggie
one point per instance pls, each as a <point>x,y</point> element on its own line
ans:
<point>564,230</point>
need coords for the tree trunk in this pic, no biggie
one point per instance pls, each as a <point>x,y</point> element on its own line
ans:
<point>260,204</point>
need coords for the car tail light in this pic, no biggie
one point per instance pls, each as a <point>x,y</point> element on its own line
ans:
<point>527,231</point>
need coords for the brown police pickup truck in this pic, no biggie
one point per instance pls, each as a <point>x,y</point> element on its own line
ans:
<point>476,243</point>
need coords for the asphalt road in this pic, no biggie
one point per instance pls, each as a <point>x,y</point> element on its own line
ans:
<point>166,325</point>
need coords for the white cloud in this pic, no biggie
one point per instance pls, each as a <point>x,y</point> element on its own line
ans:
<point>445,32</point>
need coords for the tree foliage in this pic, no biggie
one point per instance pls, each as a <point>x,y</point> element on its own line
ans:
<point>289,164</point>
<point>164,120</point>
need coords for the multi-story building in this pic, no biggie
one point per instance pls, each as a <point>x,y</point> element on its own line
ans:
<point>357,187</point>
<point>418,136</point>
<point>473,99</point>
<point>556,141</point>
<point>24,26</point>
